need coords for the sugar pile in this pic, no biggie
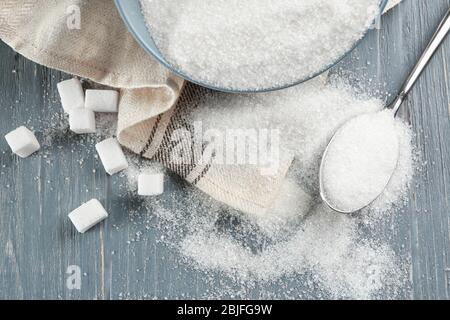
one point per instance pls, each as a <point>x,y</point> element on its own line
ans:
<point>360,161</point>
<point>256,44</point>
<point>299,240</point>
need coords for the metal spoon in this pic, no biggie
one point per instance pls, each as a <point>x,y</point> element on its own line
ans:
<point>436,41</point>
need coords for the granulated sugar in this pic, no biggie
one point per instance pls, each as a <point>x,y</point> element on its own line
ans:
<point>299,243</point>
<point>360,161</point>
<point>300,240</point>
<point>256,44</point>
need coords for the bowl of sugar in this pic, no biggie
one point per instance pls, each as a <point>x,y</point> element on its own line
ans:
<point>249,46</point>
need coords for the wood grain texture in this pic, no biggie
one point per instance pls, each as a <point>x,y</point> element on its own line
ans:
<point>38,243</point>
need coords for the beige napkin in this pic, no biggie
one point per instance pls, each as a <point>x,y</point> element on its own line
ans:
<point>98,47</point>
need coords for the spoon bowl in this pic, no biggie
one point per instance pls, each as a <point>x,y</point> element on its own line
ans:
<point>366,148</point>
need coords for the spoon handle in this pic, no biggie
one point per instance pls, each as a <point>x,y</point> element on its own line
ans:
<point>436,41</point>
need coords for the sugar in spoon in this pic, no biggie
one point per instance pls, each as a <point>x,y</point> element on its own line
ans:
<point>341,174</point>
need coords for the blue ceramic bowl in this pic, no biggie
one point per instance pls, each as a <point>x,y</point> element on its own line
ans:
<point>131,13</point>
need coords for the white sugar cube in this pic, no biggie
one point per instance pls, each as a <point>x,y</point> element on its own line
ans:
<point>82,121</point>
<point>71,93</point>
<point>102,100</point>
<point>88,215</point>
<point>23,142</point>
<point>112,156</point>
<point>151,184</point>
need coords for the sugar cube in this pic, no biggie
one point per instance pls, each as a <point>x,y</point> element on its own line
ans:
<point>23,142</point>
<point>71,93</point>
<point>112,156</point>
<point>82,120</point>
<point>150,184</point>
<point>102,100</point>
<point>88,215</point>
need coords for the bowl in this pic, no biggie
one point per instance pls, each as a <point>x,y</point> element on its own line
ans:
<point>131,13</point>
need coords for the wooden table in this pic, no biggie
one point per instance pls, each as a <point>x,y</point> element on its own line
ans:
<point>38,243</point>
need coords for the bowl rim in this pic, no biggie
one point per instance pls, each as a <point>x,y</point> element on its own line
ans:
<point>123,5</point>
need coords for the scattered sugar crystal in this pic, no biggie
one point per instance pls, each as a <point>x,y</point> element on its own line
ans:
<point>72,94</point>
<point>22,142</point>
<point>88,215</point>
<point>112,156</point>
<point>396,193</point>
<point>256,44</point>
<point>360,161</point>
<point>106,124</point>
<point>82,121</point>
<point>102,100</point>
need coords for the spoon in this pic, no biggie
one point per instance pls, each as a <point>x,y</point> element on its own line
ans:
<point>393,108</point>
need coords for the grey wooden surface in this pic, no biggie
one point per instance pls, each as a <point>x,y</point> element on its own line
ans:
<point>38,243</point>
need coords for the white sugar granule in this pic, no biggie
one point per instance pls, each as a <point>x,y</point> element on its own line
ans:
<point>256,44</point>
<point>306,115</point>
<point>396,192</point>
<point>299,240</point>
<point>325,245</point>
<point>360,161</point>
